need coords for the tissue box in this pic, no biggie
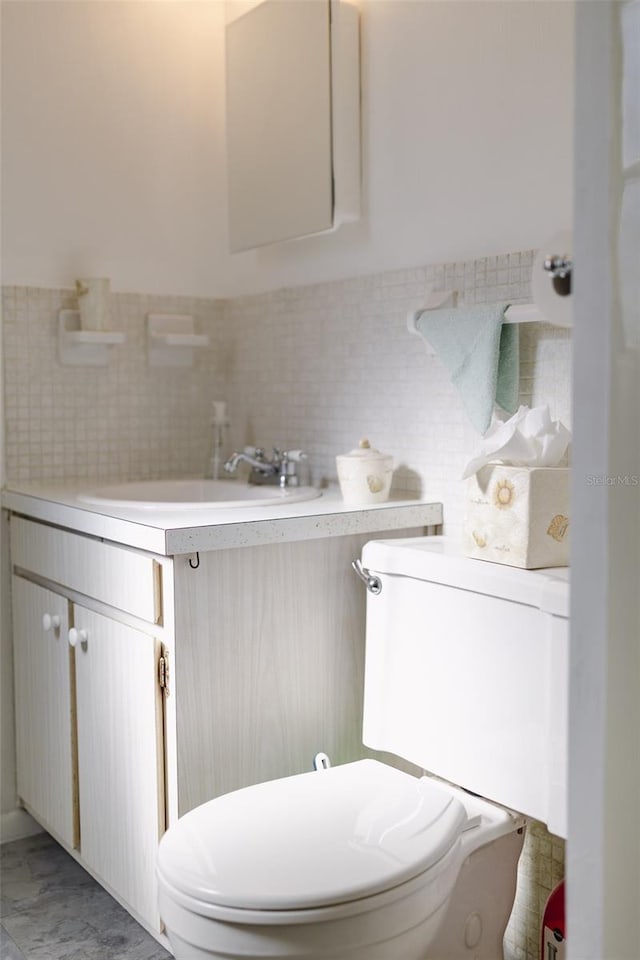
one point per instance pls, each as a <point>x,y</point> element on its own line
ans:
<point>518,516</point>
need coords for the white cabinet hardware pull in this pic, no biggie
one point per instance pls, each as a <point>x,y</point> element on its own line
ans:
<point>78,636</point>
<point>50,621</point>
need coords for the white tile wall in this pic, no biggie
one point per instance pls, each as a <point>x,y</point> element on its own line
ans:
<point>315,367</point>
<point>319,367</point>
<point>123,421</point>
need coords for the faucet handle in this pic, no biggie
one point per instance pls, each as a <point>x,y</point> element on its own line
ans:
<point>288,475</point>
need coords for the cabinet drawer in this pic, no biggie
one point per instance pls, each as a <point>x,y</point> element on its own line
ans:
<point>118,576</point>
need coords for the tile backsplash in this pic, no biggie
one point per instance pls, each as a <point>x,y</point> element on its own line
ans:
<point>320,367</point>
<point>315,367</point>
<point>122,421</point>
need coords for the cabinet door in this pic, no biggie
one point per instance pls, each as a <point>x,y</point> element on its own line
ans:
<point>45,743</point>
<point>121,774</point>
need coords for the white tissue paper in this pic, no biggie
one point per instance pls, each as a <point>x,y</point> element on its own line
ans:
<point>530,438</point>
<point>517,509</point>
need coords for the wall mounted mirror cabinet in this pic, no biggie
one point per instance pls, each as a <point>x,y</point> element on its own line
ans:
<point>293,120</point>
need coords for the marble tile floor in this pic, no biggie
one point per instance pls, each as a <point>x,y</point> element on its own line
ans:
<point>51,909</point>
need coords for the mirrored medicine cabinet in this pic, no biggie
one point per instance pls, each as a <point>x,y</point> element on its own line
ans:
<point>292,121</point>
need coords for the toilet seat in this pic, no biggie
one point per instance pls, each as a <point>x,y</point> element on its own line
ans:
<point>310,842</point>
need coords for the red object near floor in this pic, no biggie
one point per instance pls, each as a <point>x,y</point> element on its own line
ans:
<point>554,933</point>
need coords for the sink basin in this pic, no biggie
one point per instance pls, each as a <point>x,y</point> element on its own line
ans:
<point>194,494</point>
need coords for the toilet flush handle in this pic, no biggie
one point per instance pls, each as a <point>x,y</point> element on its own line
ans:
<point>371,581</point>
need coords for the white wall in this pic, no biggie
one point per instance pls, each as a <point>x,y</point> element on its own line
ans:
<point>467,132</point>
<point>112,132</point>
<point>113,161</point>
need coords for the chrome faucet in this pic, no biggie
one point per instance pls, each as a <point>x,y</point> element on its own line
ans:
<point>280,468</point>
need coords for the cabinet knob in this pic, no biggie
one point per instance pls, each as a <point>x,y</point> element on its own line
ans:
<point>78,636</point>
<point>50,621</point>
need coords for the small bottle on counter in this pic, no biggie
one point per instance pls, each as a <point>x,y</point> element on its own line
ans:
<point>219,425</point>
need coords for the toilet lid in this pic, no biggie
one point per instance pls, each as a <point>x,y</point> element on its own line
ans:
<point>311,840</point>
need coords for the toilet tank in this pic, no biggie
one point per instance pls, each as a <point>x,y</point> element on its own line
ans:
<point>467,672</point>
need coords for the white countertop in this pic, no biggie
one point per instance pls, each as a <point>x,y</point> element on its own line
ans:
<point>173,531</point>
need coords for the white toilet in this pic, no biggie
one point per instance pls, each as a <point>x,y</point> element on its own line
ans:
<point>466,677</point>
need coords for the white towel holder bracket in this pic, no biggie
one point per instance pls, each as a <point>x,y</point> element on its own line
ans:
<point>438,299</point>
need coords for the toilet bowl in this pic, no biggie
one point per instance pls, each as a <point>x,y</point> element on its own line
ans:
<point>357,862</point>
<point>465,677</point>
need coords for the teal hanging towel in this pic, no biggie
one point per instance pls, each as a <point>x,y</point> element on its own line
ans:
<point>481,353</point>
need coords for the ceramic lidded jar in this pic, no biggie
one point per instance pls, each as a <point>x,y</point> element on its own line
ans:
<point>364,474</point>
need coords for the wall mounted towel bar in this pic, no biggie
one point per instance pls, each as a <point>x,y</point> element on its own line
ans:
<point>517,313</point>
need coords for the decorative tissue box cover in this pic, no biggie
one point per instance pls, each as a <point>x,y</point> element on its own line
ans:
<point>518,516</point>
